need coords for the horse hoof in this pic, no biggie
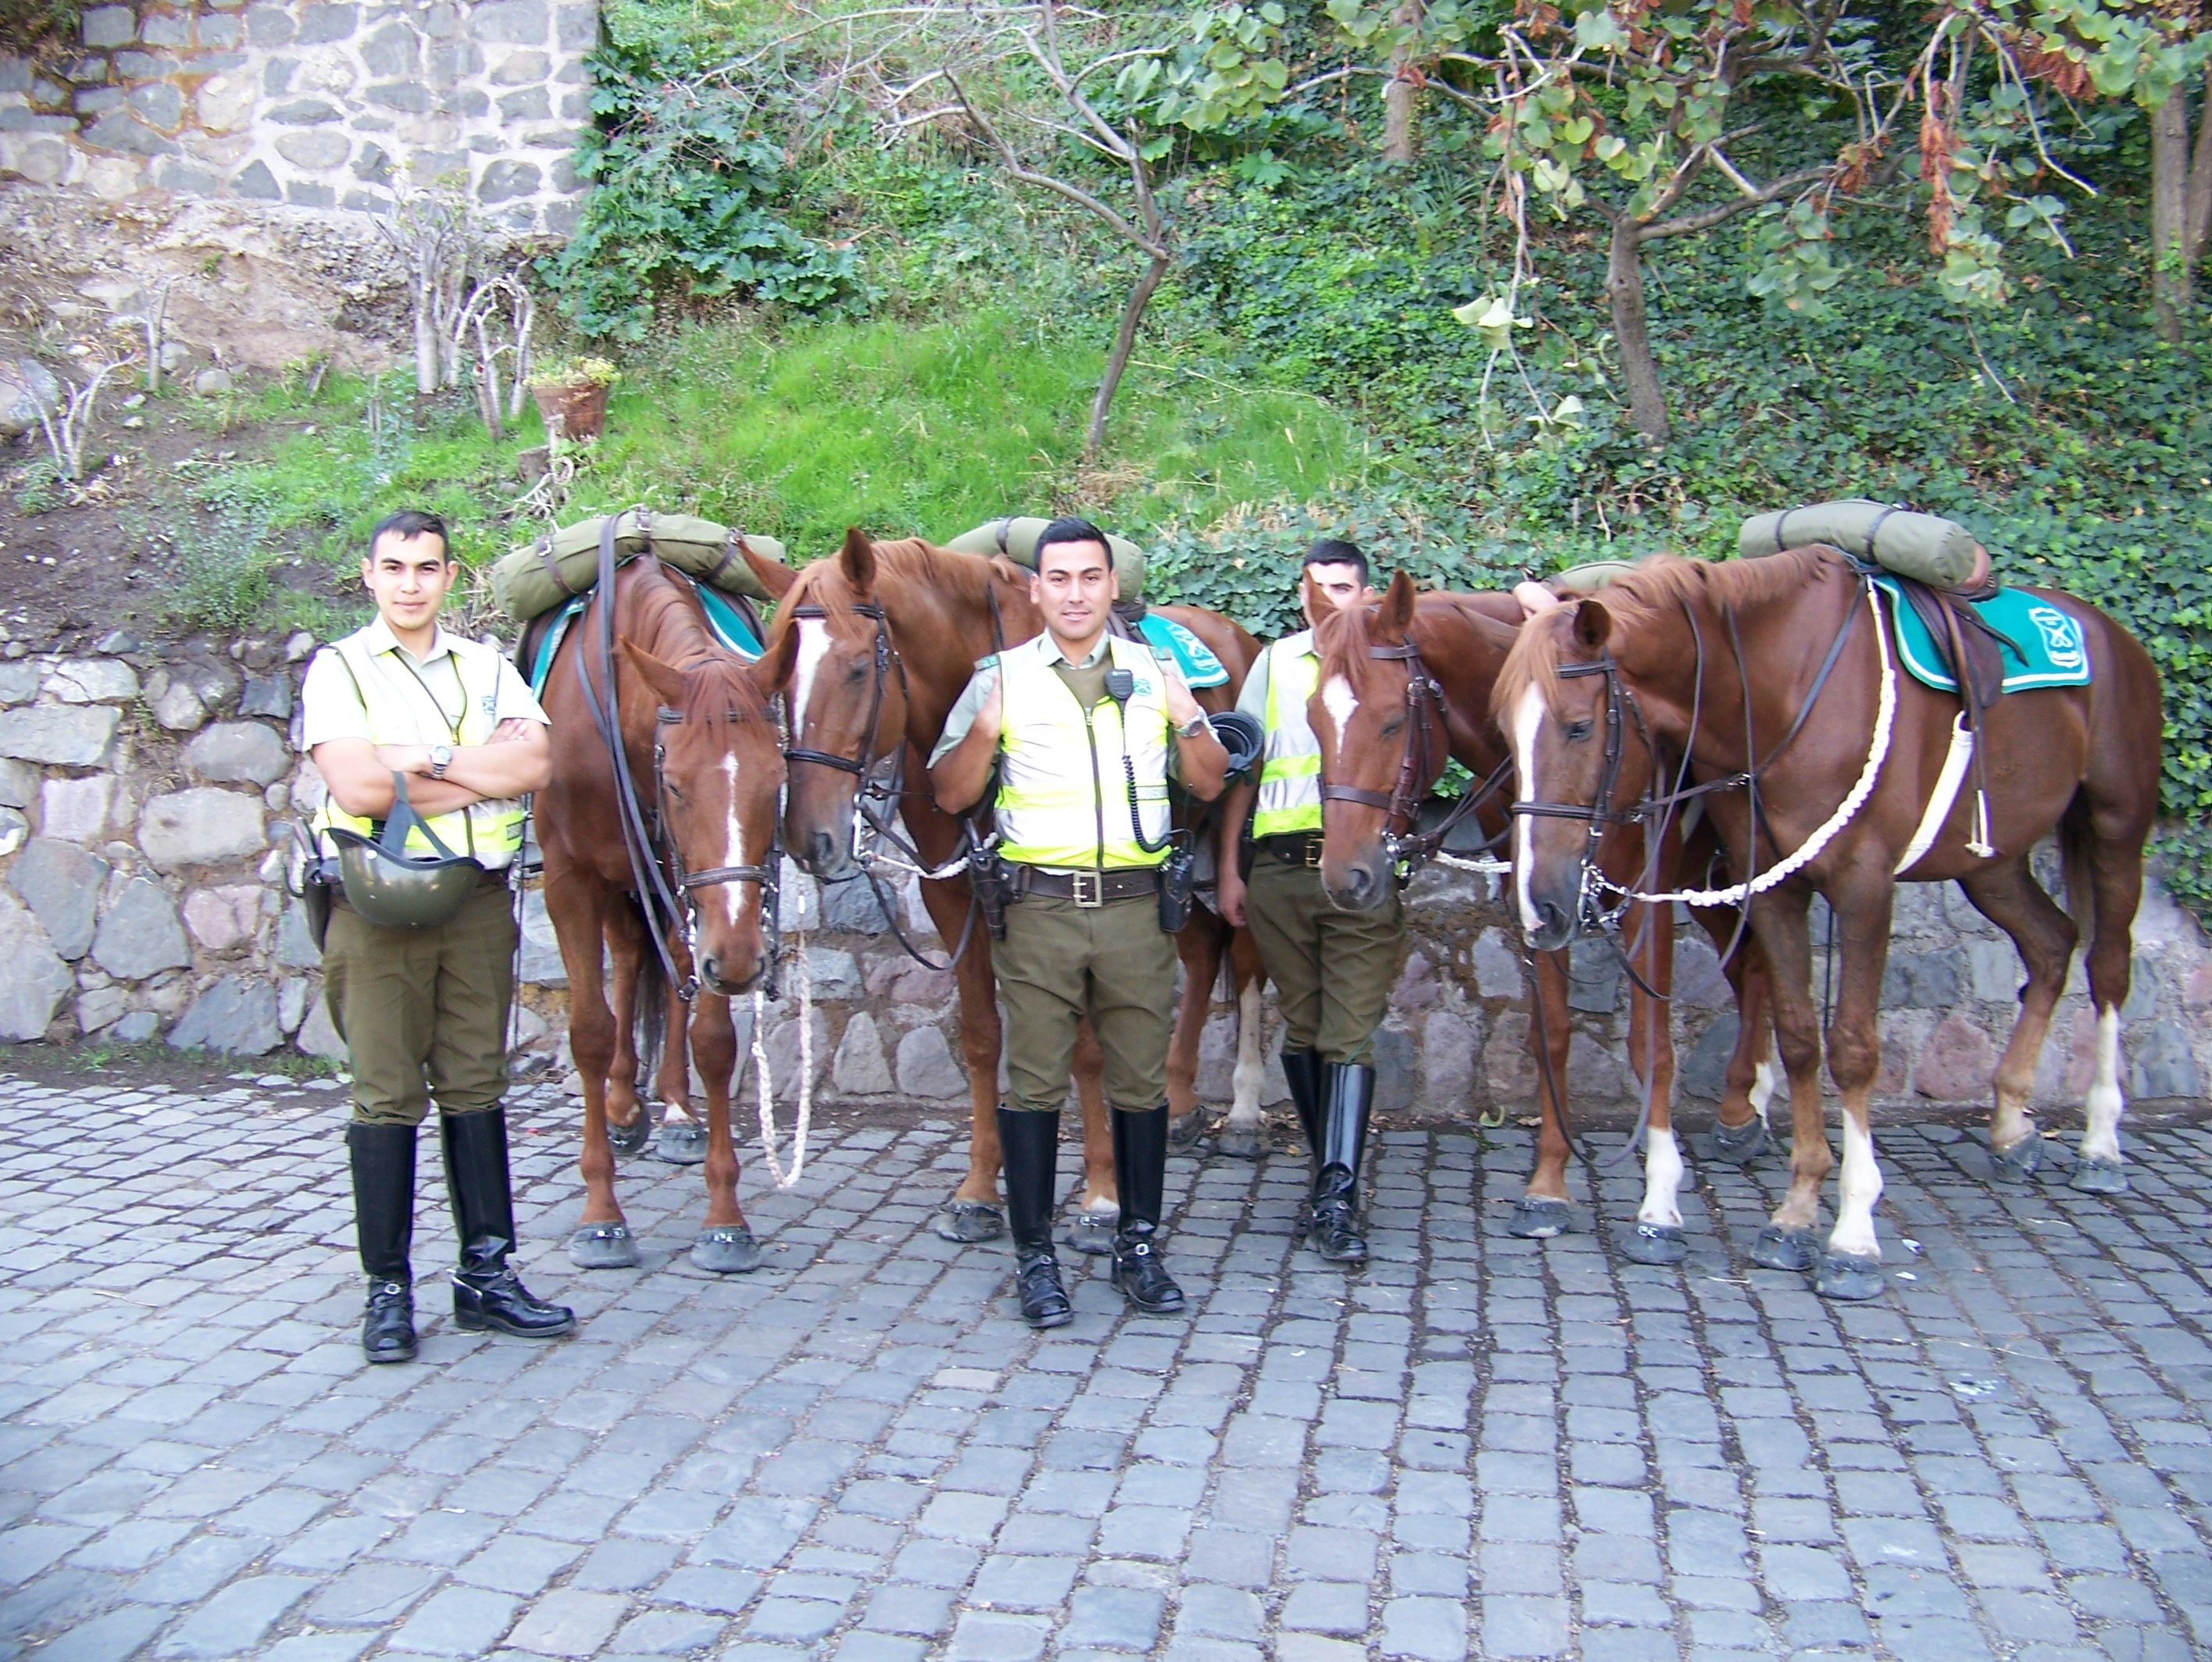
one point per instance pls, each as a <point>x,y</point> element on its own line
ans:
<point>1539,1217</point>
<point>681,1143</point>
<point>1740,1144</point>
<point>603,1247</point>
<point>1240,1144</point>
<point>1853,1277</point>
<point>1092,1232</point>
<point>1655,1243</point>
<point>2099,1177</point>
<point>971,1223</point>
<point>727,1252</point>
<point>2018,1163</point>
<point>629,1139</point>
<point>1185,1130</point>
<point>1784,1249</point>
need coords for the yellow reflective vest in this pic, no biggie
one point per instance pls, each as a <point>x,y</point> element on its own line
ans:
<point>1063,798</point>
<point>1290,771</point>
<point>398,704</point>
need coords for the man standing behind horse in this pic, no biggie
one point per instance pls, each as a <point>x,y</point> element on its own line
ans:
<point>1086,729</point>
<point>421,732</point>
<point>1333,970</point>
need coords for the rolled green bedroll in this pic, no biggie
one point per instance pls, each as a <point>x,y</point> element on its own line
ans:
<point>1017,538</point>
<point>533,581</point>
<point>1938,552</point>
<point>1589,578</point>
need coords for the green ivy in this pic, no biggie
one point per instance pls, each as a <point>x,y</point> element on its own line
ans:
<point>685,198</point>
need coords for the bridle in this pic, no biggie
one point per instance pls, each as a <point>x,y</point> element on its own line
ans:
<point>684,885</point>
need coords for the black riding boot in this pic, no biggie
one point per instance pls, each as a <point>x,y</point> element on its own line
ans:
<point>1335,1226</point>
<point>487,1293</point>
<point>1302,1068</point>
<point>1029,1145</point>
<point>1140,1167</point>
<point>383,1161</point>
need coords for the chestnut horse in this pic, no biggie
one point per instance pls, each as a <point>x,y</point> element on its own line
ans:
<point>1377,725</point>
<point>704,766</point>
<point>882,638</point>
<point>1826,771</point>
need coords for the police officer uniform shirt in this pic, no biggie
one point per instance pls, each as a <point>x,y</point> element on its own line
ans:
<point>368,686</point>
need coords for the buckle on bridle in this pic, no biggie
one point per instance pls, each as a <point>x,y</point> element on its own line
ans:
<point>1096,894</point>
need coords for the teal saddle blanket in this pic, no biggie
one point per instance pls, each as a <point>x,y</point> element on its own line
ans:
<point>2042,645</point>
<point>1199,667</point>
<point>728,624</point>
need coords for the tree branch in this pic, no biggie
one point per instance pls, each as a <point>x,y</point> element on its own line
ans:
<point>1690,224</point>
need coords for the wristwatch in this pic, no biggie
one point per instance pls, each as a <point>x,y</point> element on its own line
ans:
<point>1191,729</point>
<point>442,758</point>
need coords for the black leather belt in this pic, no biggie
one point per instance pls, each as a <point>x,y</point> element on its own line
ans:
<point>1293,848</point>
<point>1086,887</point>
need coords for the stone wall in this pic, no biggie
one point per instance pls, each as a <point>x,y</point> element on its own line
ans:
<point>311,104</point>
<point>146,798</point>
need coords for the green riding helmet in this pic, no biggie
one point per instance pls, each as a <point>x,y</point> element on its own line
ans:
<point>393,888</point>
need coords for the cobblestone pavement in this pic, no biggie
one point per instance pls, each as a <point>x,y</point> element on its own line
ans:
<point>1481,1447</point>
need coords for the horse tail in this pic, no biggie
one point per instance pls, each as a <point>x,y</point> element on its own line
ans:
<point>652,1018</point>
<point>2075,840</point>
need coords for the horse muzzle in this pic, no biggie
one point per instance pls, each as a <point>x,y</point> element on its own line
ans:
<point>1361,886</point>
<point>719,975</point>
<point>828,858</point>
<point>1555,927</point>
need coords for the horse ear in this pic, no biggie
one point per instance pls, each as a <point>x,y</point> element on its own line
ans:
<point>1593,624</point>
<point>665,679</point>
<point>771,673</point>
<point>1314,598</point>
<point>857,561</point>
<point>1397,614</point>
<point>774,576</point>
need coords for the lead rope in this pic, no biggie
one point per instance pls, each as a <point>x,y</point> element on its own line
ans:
<point>764,1087</point>
<point>1809,850</point>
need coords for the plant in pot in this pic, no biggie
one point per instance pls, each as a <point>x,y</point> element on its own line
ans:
<point>572,396</point>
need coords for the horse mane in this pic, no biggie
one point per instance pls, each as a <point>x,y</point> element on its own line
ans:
<point>966,578</point>
<point>1658,585</point>
<point>717,687</point>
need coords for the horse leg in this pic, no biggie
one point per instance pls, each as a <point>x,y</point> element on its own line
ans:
<point>2009,897</point>
<point>973,1215</point>
<point>1091,1230</point>
<point>627,1123</point>
<point>1860,902</point>
<point>725,1246</point>
<point>1657,1236</point>
<point>1199,946</point>
<point>1787,1242</point>
<point>578,906</point>
<point>2106,872</point>
<point>681,1141</point>
<point>1740,1124</point>
<point>1246,1125</point>
<point>1543,1211</point>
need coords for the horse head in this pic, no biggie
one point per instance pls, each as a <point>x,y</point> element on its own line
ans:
<point>1381,739</point>
<point>719,763</point>
<point>847,704</point>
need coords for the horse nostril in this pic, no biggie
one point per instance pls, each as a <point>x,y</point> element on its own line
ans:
<point>710,970</point>
<point>821,848</point>
<point>1554,920</point>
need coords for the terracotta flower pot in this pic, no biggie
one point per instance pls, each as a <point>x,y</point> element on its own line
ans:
<point>580,410</point>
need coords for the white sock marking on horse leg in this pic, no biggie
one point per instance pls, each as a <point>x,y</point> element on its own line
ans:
<point>2100,1130</point>
<point>1662,1180</point>
<point>1528,717</point>
<point>1861,1187</point>
<point>1251,1069</point>
<point>1762,1086</point>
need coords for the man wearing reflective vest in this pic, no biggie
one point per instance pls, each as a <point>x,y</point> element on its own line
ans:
<point>1086,729</point>
<point>1333,970</point>
<point>423,1010</point>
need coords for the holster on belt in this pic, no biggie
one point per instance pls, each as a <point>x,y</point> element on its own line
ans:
<point>988,876</point>
<point>1178,878</point>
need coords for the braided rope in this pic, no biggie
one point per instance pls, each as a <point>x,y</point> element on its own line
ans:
<point>1809,850</point>
<point>765,1091</point>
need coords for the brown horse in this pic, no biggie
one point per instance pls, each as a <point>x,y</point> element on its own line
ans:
<point>882,638</point>
<point>1384,739</point>
<point>705,766</point>
<point>1826,771</point>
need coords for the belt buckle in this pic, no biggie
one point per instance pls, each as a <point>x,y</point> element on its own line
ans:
<point>1312,854</point>
<point>1089,888</point>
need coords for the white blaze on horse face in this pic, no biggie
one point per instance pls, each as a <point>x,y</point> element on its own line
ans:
<point>1662,1180</point>
<point>734,895</point>
<point>2100,1132</point>
<point>1860,1187</point>
<point>1339,700</point>
<point>1528,722</point>
<point>813,647</point>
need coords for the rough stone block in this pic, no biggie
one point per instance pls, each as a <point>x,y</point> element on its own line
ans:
<point>217,33</point>
<point>237,1016</point>
<point>304,193</point>
<point>1447,1053</point>
<point>109,26</point>
<point>201,826</point>
<point>19,784</point>
<point>510,23</point>
<point>1920,980</point>
<point>507,180</point>
<point>59,735</point>
<point>1957,1064</point>
<point>140,935</point>
<point>858,1068</point>
<point>239,752</point>
<point>925,1067</point>
<point>520,69</point>
<point>37,981</point>
<point>1594,977</point>
<point>2160,1065</point>
<point>269,696</point>
<point>541,947</point>
<point>93,680</point>
<point>77,810</point>
<point>61,884</point>
<point>316,147</point>
<point>324,22</point>
<point>220,918</point>
<point>256,183</point>
<point>1497,966</point>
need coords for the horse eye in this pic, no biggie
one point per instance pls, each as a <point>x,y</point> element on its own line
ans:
<point>855,672</point>
<point>671,789</point>
<point>1393,727</point>
<point>1577,732</point>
